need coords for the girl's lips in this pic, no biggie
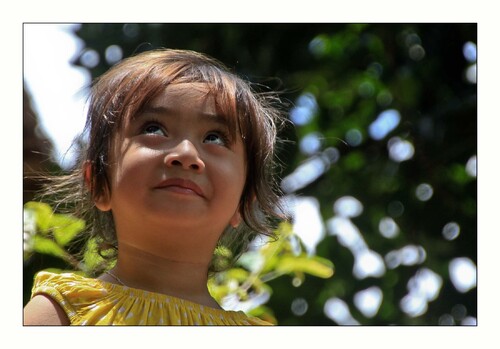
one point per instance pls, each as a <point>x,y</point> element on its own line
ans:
<point>183,186</point>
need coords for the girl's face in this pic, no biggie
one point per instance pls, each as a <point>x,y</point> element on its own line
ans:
<point>176,169</point>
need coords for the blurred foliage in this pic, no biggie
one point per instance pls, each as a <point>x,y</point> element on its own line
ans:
<point>338,79</point>
<point>49,233</point>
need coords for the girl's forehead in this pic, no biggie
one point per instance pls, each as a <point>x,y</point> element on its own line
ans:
<point>181,92</point>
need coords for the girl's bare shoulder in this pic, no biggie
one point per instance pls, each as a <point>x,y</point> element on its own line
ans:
<point>43,310</point>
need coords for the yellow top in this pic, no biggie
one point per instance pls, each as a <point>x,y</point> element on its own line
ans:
<point>89,301</point>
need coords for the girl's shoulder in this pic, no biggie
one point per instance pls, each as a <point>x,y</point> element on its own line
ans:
<point>44,310</point>
<point>47,305</point>
<point>55,296</point>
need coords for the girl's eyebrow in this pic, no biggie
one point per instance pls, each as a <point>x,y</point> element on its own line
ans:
<point>165,111</point>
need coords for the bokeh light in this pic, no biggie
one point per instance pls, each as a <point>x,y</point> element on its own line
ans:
<point>406,255</point>
<point>131,30</point>
<point>471,74</point>
<point>368,301</point>
<point>416,52</point>
<point>90,58</point>
<point>384,98</point>
<point>311,143</point>
<point>113,54</point>
<point>423,288</point>
<point>304,110</point>
<point>424,192</point>
<point>366,89</point>
<point>459,312</point>
<point>463,273</point>
<point>400,150</point>
<point>395,208</point>
<point>304,174</point>
<point>385,122</point>
<point>446,320</point>
<point>368,263</point>
<point>307,220</point>
<point>310,170</point>
<point>354,137</point>
<point>347,233</point>
<point>317,46</point>
<point>388,228</point>
<point>451,231</point>
<point>470,51</point>
<point>299,306</point>
<point>338,310</point>
<point>469,321</point>
<point>471,166</point>
<point>348,206</point>
<point>411,38</point>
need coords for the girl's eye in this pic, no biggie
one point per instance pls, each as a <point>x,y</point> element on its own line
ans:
<point>216,138</point>
<point>154,129</point>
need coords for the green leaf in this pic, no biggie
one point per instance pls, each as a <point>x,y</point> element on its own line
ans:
<point>237,274</point>
<point>66,227</point>
<point>43,213</point>
<point>218,291</point>
<point>315,266</point>
<point>91,257</point>
<point>48,246</point>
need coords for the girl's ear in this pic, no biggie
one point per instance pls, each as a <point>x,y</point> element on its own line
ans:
<point>102,202</point>
<point>87,173</point>
<point>235,219</point>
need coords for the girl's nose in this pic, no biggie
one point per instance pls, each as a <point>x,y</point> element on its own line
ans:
<point>185,155</point>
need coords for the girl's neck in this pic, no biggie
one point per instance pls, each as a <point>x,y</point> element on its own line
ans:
<point>179,278</point>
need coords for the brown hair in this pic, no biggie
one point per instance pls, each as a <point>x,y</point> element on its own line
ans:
<point>122,91</point>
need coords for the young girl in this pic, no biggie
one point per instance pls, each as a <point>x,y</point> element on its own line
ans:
<point>179,161</point>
